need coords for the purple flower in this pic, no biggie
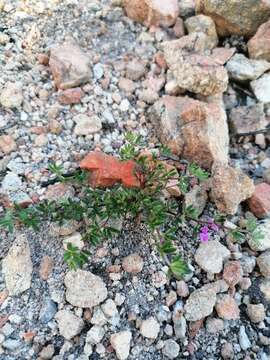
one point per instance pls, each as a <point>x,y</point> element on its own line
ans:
<point>204,234</point>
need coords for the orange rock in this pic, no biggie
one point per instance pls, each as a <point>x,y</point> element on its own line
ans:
<point>46,267</point>
<point>106,170</point>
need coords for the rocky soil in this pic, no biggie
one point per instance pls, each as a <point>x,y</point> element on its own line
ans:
<point>76,76</point>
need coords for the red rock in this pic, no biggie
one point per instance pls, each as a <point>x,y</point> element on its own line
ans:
<point>107,170</point>
<point>232,273</point>
<point>70,96</point>
<point>46,267</point>
<point>259,44</point>
<point>259,203</point>
<point>152,12</point>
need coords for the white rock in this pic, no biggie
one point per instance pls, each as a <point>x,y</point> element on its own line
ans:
<point>132,263</point>
<point>95,335</point>
<point>11,96</point>
<point>241,68</point>
<point>74,239</point>
<point>17,266</point>
<point>109,308</point>
<point>84,289</point>
<point>171,349</point>
<point>200,304</point>
<point>261,88</point>
<point>11,182</point>
<point>150,328</point>
<point>86,125</point>
<point>243,339</point>
<point>98,317</point>
<point>69,324</point>
<point>211,255</point>
<point>121,344</point>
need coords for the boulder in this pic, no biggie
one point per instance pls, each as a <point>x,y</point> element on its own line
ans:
<point>259,44</point>
<point>259,203</point>
<point>192,69</point>
<point>263,262</point>
<point>69,65</point>
<point>229,188</point>
<point>226,307</point>
<point>235,17</point>
<point>84,289</point>
<point>152,12</point>
<point>69,324</point>
<point>241,68</point>
<point>211,255</point>
<point>121,344</point>
<point>204,24</point>
<point>245,119</point>
<point>17,267</point>
<point>200,304</point>
<point>193,129</point>
<point>261,88</point>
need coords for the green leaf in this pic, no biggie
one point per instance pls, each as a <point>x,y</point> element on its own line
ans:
<point>166,248</point>
<point>198,172</point>
<point>237,235</point>
<point>179,268</point>
<point>74,257</point>
<point>57,170</point>
<point>191,213</point>
<point>7,221</point>
<point>183,184</point>
<point>165,151</point>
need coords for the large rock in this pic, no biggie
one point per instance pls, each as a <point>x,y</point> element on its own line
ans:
<point>259,203</point>
<point>69,65</point>
<point>235,16</point>
<point>150,328</point>
<point>241,68</point>
<point>192,69</point>
<point>205,24</point>
<point>84,289</point>
<point>17,267</point>
<point>261,88</point>
<point>196,130</point>
<point>226,307</point>
<point>263,262</point>
<point>245,119</point>
<point>259,44</point>
<point>152,12</point>
<point>229,188</point>
<point>121,344</point>
<point>69,324</point>
<point>200,304</point>
<point>211,255</point>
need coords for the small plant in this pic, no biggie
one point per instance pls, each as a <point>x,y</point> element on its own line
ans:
<point>97,209</point>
